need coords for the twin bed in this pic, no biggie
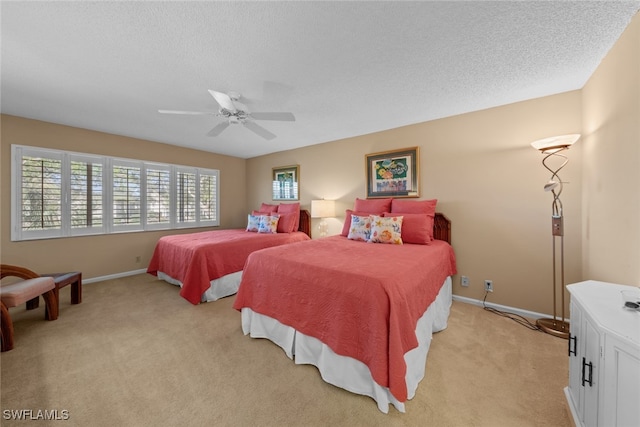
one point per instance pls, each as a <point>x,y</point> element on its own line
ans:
<point>208,265</point>
<point>362,313</point>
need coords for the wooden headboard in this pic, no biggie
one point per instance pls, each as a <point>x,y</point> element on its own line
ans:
<point>305,222</point>
<point>442,228</point>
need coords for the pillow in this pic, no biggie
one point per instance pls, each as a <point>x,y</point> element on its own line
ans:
<point>360,228</point>
<point>291,207</point>
<point>414,206</point>
<point>267,208</point>
<point>288,207</point>
<point>258,213</point>
<point>253,223</point>
<point>347,220</point>
<point>373,206</point>
<point>268,224</point>
<point>386,230</point>
<point>416,228</point>
<point>287,222</point>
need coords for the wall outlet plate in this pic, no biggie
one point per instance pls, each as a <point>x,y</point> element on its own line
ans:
<point>464,281</point>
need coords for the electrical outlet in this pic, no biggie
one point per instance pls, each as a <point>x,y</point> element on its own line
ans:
<point>488,285</point>
<point>138,259</point>
<point>464,281</point>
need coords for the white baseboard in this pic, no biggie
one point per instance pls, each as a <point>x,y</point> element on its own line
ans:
<point>113,276</point>
<point>524,313</point>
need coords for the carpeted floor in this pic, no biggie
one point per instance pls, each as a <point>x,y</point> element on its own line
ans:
<point>134,353</point>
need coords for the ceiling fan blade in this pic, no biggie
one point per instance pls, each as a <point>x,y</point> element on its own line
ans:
<point>195,113</point>
<point>217,130</point>
<point>224,100</point>
<point>259,130</point>
<point>284,117</point>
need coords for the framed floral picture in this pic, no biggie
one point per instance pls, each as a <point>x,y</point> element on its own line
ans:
<point>393,173</point>
<point>286,183</point>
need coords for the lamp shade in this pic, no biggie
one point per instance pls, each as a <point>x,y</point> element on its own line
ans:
<point>555,143</point>
<point>323,208</point>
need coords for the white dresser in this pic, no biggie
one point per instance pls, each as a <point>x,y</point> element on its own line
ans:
<point>604,356</point>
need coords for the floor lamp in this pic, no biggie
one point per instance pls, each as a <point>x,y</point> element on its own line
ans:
<point>552,148</point>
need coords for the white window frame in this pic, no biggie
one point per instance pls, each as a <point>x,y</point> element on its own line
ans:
<point>111,212</point>
<point>108,226</point>
<point>172,196</point>
<point>83,231</point>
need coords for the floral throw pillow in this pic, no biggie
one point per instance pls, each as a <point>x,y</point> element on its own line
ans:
<point>386,230</point>
<point>253,223</point>
<point>360,228</point>
<point>268,224</point>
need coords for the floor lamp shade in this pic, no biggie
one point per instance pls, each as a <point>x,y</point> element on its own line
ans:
<point>552,149</point>
<point>323,209</point>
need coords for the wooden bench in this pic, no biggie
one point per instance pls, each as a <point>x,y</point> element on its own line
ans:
<point>61,280</point>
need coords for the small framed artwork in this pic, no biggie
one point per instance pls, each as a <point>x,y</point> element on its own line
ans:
<point>393,173</point>
<point>286,183</point>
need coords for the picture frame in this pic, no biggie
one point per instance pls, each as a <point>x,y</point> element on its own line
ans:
<point>286,183</point>
<point>393,173</point>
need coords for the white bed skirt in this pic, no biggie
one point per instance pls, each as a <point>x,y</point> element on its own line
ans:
<point>346,372</point>
<point>220,288</point>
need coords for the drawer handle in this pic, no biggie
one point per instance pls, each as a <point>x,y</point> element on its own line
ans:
<point>575,345</point>
<point>584,377</point>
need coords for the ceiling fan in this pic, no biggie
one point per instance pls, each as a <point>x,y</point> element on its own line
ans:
<point>236,113</point>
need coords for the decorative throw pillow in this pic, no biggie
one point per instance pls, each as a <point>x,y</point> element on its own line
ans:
<point>253,223</point>
<point>386,230</point>
<point>347,220</point>
<point>258,213</point>
<point>373,206</point>
<point>287,222</point>
<point>267,208</point>
<point>416,228</point>
<point>414,206</point>
<point>291,207</point>
<point>360,228</point>
<point>268,224</point>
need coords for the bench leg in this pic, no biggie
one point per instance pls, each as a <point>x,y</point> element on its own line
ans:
<point>76,292</point>
<point>51,301</point>
<point>6,329</point>
<point>33,303</point>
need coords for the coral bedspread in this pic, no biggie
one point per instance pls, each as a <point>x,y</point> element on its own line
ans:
<point>197,258</point>
<point>361,299</point>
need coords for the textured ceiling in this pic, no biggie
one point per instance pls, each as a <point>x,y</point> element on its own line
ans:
<point>343,68</point>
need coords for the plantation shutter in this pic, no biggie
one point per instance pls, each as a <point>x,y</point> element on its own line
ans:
<point>127,200</point>
<point>158,196</point>
<point>185,197</point>
<point>41,193</point>
<point>86,193</point>
<point>208,197</point>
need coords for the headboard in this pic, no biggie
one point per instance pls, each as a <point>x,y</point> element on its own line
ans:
<point>441,228</point>
<point>305,222</point>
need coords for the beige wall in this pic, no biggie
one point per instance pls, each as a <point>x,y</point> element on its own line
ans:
<point>611,181</point>
<point>98,256</point>
<point>488,180</point>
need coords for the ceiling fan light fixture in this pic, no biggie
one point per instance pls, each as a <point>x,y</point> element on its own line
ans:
<point>236,113</point>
